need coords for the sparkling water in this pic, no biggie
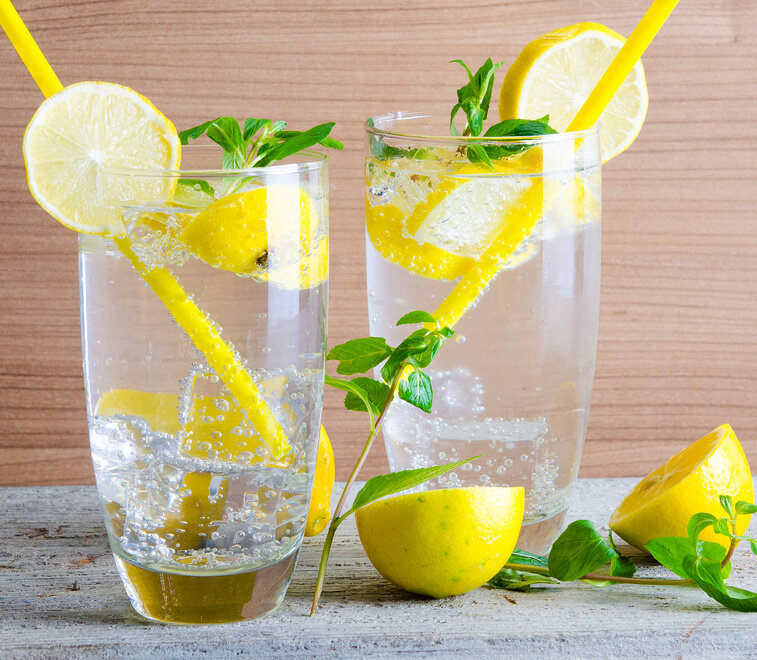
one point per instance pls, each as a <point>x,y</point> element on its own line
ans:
<point>513,385</point>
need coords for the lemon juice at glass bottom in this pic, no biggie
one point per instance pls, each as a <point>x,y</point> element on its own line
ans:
<point>205,513</point>
<point>514,383</point>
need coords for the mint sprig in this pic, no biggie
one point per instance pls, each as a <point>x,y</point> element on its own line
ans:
<point>402,376</point>
<point>580,550</point>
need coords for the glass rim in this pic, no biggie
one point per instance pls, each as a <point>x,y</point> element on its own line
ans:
<point>402,115</point>
<point>316,161</point>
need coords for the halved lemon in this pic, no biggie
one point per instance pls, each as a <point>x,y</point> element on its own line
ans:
<point>442,542</point>
<point>690,482</point>
<point>554,74</point>
<point>78,135</point>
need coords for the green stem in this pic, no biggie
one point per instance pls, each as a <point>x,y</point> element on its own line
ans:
<point>337,519</point>
<point>541,570</point>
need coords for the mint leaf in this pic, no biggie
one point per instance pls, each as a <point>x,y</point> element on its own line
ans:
<point>474,97</point>
<point>577,551</point>
<point>513,580</point>
<point>698,523</point>
<point>726,501</point>
<point>707,574</point>
<point>357,356</point>
<point>194,132</point>
<point>252,126</point>
<point>299,141</point>
<point>620,566</point>
<point>524,557</point>
<point>196,185</point>
<point>389,484</point>
<point>414,343</point>
<point>225,131</point>
<point>415,388</point>
<point>360,395</point>
<point>670,551</point>
<point>745,508</point>
<point>509,128</point>
<point>422,360</point>
<point>418,316</point>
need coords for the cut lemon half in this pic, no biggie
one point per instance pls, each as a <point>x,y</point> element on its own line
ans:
<point>690,482</point>
<point>78,135</point>
<point>554,74</point>
<point>442,542</point>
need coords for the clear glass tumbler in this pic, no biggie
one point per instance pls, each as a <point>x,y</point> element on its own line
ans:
<point>203,332</point>
<point>508,254</point>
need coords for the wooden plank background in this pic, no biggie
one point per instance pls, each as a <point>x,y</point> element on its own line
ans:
<point>677,348</point>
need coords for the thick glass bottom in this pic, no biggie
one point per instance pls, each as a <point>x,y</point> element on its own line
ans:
<point>205,599</point>
<point>538,536</point>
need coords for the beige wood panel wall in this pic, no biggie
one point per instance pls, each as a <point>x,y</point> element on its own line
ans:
<point>677,346</point>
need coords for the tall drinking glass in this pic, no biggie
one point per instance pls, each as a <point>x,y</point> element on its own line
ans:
<point>206,496</point>
<point>508,254</point>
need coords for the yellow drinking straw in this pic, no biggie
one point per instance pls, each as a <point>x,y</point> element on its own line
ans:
<point>186,313</point>
<point>527,213</point>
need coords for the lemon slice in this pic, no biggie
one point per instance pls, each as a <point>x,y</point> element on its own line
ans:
<point>554,74</point>
<point>80,133</point>
<point>271,233</point>
<point>319,510</point>
<point>690,482</point>
<point>442,542</point>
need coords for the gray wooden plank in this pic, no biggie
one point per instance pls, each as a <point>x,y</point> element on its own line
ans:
<point>60,596</point>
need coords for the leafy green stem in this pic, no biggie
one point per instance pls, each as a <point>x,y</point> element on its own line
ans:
<point>542,570</point>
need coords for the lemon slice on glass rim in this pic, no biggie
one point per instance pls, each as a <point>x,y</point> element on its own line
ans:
<point>554,74</point>
<point>68,159</point>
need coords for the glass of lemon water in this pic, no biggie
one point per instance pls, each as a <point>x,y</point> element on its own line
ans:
<point>205,505</point>
<point>508,254</point>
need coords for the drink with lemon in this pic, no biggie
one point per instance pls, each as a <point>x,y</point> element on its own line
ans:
<point>203,296</point>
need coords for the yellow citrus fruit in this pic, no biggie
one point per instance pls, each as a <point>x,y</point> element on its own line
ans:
<point>319,513</point>
<point>554,74</point>
<point>272,233</point>
<point>690,482</point>
<point>442,542</point>
<point>443,235</point>
<point>78,136</point>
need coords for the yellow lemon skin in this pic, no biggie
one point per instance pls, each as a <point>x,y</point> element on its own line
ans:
<point>690,482</point>
<point>319,512</point>
<point>442,543</point>
<point>271,233</point>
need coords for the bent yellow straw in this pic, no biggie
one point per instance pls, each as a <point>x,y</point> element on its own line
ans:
<point>198,327</point>
<point>527,213</point>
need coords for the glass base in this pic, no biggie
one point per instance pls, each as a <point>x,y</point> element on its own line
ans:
<point>537,537</point>
<point>181,598</point>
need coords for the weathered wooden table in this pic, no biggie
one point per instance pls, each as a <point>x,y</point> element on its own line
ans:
<point>60,597</point>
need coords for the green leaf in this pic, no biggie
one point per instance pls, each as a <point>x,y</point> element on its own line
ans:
<point>513,580</point>
<point>414,343</point>
<point>196,185</point>
<point>329,142</point>
<point>477,153</point>
<point>357,356</point>
<point>721,526</point>
<point>302,140</point>
<point>707,574</point>
<point>524,557</point>
<point>745,508</point>
<point>620,566</point>
<point>577,551</point>
<point>670,551</point>
<point>422,360</point>
<point>225,131</point>
<point>415,388</point>
<point>252,126</point>
<point>698,523</point>
<point>374,391</point>
<point>389,484</point>
<point>474,97</point>
<point>446,332</point>
<point>361,396</point>
<point>418,316</point>
<point>194,132</point>
<point>726,501</point>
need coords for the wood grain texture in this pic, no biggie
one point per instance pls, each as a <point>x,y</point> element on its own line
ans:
<point>677,352</point>
<point>61,598</point>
